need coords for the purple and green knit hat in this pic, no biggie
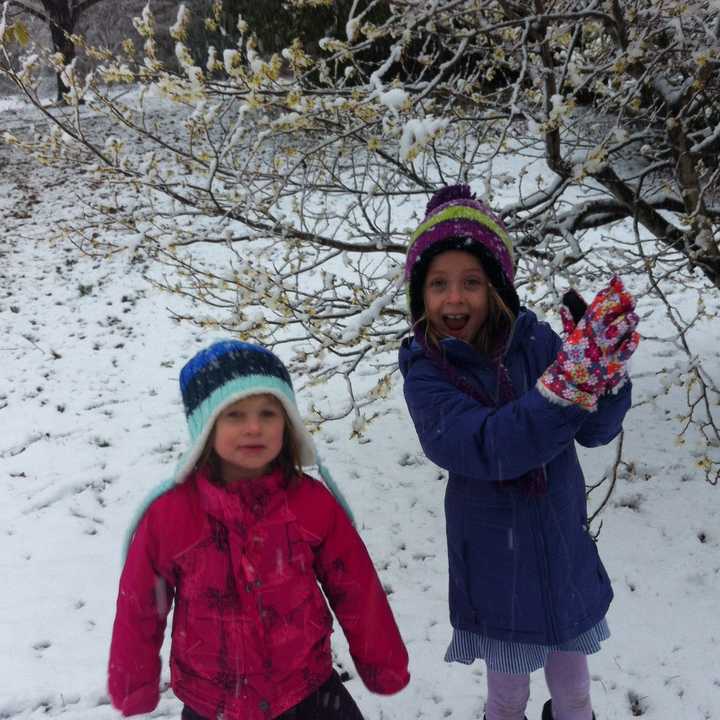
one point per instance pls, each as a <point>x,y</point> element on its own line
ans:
<point>455,220</point>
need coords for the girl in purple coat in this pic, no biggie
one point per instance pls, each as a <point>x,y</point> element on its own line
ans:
<point>499,400</point>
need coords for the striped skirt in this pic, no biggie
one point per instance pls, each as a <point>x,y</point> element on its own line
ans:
<point>519,658</point>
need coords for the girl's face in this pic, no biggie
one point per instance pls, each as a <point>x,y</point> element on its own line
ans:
<point>248,436</point>
<point>455,295</point>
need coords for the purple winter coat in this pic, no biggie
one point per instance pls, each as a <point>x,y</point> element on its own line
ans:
<point>522,568</point>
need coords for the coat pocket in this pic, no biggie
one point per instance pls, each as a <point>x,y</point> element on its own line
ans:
<point>294,613</point>
<point>499,576</point>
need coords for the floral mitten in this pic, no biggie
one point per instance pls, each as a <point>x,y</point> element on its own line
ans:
<point>572,311</point>
<point>590,357</point>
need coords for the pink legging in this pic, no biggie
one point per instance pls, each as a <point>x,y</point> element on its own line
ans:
<point>568,680</point>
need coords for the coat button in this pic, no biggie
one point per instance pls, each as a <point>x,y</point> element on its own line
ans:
<point>264,705</point>
<point>249,587</point>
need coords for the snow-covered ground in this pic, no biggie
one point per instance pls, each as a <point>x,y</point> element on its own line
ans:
<point>91,419</point>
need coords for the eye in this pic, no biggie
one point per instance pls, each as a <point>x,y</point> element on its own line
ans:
<point>270,413</point>
<point>475,282</point>
<point>437,283</point>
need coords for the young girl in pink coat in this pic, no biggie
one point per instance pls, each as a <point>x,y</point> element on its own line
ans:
<point>242,542</point>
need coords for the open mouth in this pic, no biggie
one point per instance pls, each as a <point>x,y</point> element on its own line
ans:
<point>455,323</point>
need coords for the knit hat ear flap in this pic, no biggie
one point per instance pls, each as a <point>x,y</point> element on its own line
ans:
<point>455,219</point>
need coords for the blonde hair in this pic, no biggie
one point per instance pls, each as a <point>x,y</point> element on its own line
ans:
<point>288,459</point>
<point>494,332</point>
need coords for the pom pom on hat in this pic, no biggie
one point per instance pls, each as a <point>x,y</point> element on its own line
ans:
<point>448,193</point>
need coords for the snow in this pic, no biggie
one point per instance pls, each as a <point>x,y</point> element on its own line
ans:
<point>231,60</point>
<point>376,77</point>
<point>351,29</point>
<point>181,22</point>
<point>10,104</point>
<point>366,318</point>
<point>92,420</point>
<point>212,59</point>
<point>418,131</point>
<point>3,20</point>
<point>393,99</point>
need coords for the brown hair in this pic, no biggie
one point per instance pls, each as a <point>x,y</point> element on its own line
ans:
<point>288,459</point>
<point>493,334</point>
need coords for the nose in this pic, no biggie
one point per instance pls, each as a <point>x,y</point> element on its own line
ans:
<point>252,425</point>
<point>454,293</point>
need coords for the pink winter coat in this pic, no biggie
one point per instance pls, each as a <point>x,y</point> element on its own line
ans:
<point>251,629</point>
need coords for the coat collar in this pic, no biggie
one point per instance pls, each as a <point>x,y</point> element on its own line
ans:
<point>460,353</point>
<point>246,502</point>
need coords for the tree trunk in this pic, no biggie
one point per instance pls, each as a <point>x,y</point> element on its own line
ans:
<point>62,20</point>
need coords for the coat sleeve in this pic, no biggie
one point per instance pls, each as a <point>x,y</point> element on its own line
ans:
<point>601,426</point>
<point>463,436</point>
<point>144,599</point>
<point>349,581</point>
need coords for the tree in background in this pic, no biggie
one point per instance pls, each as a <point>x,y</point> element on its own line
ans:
<point>275,24</point>
<point>61,17</point>
<point>280,196</point>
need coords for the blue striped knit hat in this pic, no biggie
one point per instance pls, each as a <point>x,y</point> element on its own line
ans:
<point>228,371</point>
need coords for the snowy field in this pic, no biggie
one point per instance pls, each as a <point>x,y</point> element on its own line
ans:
<point>91,420</point>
